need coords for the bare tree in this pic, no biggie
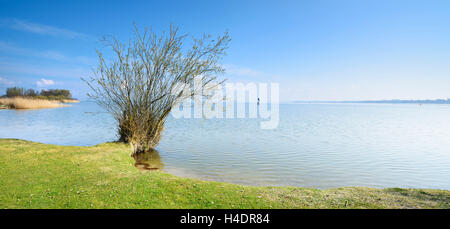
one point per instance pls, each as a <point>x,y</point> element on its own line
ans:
<point>148,77</point>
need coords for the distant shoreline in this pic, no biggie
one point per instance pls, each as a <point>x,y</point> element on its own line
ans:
<point>393,101</point>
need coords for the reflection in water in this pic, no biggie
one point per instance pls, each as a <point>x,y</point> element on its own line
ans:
<point>148,161</point>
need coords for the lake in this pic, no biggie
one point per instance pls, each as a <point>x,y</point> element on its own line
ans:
<point>315,145</point>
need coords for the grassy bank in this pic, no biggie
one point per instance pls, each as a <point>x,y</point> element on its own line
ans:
<point>34,175</point>
<point>29,103</point>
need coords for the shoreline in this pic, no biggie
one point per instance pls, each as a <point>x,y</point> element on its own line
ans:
<point>70,101</point>
<point>211,180</point>
<point>39,175</point>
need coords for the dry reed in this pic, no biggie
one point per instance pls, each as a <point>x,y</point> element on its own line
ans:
<point>28,103</point>
<point>70,101</point>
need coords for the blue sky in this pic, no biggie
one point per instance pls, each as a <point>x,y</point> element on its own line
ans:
<point>315,50</point>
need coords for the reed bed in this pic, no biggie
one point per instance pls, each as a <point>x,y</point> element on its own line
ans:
<point>70,101</point>
<point>28,103</point>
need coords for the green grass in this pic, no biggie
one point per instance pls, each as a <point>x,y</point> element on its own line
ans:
<point>34,175</point>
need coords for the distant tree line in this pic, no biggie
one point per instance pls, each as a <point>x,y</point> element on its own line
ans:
<point>55,94</point>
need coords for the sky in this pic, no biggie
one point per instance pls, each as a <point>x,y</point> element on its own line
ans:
<point>315,50</point>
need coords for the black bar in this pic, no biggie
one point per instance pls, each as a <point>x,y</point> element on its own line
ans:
<point>231,218</point>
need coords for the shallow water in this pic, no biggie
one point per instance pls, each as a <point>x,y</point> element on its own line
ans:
<point>315,145</point>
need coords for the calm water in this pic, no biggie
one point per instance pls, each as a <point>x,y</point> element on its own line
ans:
<point>315,145</point>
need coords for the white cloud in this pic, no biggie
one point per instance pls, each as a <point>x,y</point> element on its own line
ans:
<point>45,82</point>
<point>41,29</point>
<point>48,54</point>
<point>6,82</point>
<point>37,70</point>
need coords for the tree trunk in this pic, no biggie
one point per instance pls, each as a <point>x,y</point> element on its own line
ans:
<point>137,148</point>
